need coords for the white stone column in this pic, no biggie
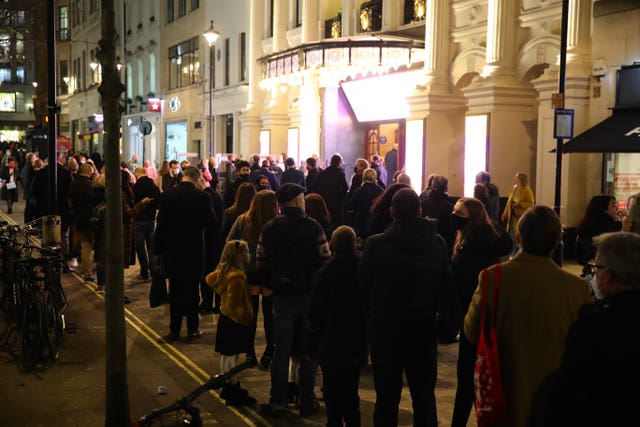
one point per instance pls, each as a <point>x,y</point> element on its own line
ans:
<point>579,38</point>
<point>349,18</point>
<point>250,123</point>
<point>392,14</point>
<point>280,20</point>
<point>501,37</point>
<point>437,42</point>
<point>310,24</point>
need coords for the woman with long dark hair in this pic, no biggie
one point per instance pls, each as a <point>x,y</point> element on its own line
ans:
<point>241,204</point>
<point>600,216</point>
<point>248,226</point>
<point>479,244</point>
<point>316,208</point>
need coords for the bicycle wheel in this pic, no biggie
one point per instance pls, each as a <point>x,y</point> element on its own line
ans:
<point>52,325</point>
<point>31,332</point>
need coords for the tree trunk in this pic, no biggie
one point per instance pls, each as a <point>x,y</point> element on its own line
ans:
<point>117,393</point>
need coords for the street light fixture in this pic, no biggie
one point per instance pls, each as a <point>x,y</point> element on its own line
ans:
<point>212,36</point>
<point>35,84</point>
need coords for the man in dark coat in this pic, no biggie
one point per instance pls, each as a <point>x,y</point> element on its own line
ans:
<point>312,173</point>
<point>40,192</point>
<point>242,176</point>
<point>292,174</point>
<point>290,250</point>
<point>185,235</point>
<point>376,165</point>
<point>438,205</point>
<point>145,221</point>
<point>331,184</point>
<point>337,329</point>
<point>361,201</point>
<point>597,381</point>
<point>401,273</point>
<point>391,163</point>
<point>82,200</point>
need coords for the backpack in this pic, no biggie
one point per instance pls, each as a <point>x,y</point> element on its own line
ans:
<point>288,275</point>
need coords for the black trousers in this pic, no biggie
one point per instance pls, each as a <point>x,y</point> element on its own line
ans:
<point>340,389</point>
<point>267,316</point>
<point>183,301</point>
<point>465,393</point>
<point>393,352</point>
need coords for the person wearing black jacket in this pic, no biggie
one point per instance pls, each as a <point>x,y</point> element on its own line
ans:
<point>82,200</point>
<point>437,204</point>
<point>331,184</point>
<point>401,274</point>
<point>185,235</point>
<point>480,243</point>
<point>290,250</point>
<point>145,221</point>
<point>362,200</point>
<point>337,329</point>
<point>242,175</point>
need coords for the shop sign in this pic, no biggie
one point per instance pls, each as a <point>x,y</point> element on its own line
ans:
<point>174,104</point>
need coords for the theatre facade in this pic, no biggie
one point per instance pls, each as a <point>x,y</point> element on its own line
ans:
<point>461,86</point>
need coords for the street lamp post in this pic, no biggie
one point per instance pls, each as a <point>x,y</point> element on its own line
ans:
<point>212,36</point>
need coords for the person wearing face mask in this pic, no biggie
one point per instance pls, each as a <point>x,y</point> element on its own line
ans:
<point>597,381</point>
<point>479,243</point>
<point>242,175</point>
<point>170,179</point>
<point>10,176</point>
<point>537,303</point>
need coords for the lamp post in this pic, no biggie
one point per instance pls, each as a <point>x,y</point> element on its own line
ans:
<point>212,36</point>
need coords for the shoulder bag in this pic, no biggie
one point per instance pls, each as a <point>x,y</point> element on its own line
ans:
<point>491,407</point>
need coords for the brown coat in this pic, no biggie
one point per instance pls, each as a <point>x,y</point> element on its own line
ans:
<point>235,302</point>
<point>538,301</point>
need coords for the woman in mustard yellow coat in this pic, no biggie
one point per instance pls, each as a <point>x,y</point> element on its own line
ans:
<point>520,199</point>
<point>232,335</point>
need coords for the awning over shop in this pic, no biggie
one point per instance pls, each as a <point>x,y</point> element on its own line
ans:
<point>620,133</point>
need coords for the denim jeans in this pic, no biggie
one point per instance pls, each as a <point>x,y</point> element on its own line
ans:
<point>291,326</point>
<point>144,240</point>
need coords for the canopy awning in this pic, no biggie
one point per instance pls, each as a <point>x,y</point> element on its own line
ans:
<point>620,133</point>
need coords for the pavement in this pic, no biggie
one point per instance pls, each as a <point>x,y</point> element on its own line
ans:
<point>71,391</point>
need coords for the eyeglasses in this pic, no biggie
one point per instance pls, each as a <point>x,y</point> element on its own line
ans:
<point>595,267</point>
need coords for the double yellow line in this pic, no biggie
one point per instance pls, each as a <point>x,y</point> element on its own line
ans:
<point>181,360</point>
<point>176,356</point>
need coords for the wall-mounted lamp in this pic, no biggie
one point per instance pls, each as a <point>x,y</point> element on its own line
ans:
<point>35,84</point>
<point>66,79</point>
<point>93,65</point>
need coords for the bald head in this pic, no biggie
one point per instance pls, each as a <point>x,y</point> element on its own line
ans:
<point>85,170</point>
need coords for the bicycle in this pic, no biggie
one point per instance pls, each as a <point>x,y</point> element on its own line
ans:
<point>37,299</point>
<point>186,412</point>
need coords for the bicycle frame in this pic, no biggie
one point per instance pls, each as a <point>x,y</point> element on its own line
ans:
<point>184,403</point>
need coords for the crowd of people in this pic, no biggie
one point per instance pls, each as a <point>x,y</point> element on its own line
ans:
<point>347,272</point>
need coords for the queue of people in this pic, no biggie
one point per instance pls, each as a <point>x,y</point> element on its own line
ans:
<point>343,274</point>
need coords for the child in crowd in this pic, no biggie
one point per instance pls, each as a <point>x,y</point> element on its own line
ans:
<point>232,337</point>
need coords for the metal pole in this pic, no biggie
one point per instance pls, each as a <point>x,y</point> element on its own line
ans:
<point>211,84</point>
<point>558,253</point>
<point>52,109</point>
<point>561,89</point>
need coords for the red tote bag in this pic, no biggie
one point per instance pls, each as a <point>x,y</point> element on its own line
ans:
<point>491,406</point>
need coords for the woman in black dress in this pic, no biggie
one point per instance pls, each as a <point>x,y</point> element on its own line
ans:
<point>479,244</point>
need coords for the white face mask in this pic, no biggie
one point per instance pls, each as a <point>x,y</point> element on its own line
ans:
<point>594,286</point>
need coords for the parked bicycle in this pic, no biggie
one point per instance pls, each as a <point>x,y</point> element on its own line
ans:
<point>186,412</point>
<point>33,295</point>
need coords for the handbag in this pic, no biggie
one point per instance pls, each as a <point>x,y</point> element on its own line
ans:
<point>158,289</point>
<point>491,406</point>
